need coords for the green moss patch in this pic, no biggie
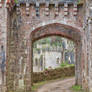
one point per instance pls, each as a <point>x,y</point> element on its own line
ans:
<point>77,88</point>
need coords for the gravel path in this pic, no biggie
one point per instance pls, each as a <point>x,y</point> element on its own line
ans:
<point>58,86</point>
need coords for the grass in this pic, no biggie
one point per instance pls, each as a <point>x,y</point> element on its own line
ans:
<point>63,65</point>
<point>76,88</point>
<point>37,85</point>
<point>66,65</point>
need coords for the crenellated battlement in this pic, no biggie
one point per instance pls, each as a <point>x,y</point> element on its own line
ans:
<point>12,3</point>
<point>47,6</point>
<point>49,1</point>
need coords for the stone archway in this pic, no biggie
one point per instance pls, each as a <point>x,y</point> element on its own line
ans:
<point>58,30</point>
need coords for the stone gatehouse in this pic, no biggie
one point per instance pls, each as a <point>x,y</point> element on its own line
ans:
<point>23,23</point>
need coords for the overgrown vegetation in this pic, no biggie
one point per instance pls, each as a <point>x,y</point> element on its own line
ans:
<point>65,64</point>
<point>77,88</point>
<point>37,85</point>
<point>52,41</point>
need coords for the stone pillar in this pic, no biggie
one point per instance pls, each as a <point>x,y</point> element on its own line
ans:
<point>11,60</point>
<point>87,75</point>
<point>28,76</point>
<point>78,70</point>
<point>12,78</point>
<point>3,34</point>
<point>90,54</point>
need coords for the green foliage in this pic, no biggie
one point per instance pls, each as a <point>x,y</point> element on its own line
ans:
<point>16,1</point>
<point>37,49</point>
<point>37,85</point>
<point>77,88</point>
<point>65,64</point>
<point>52,41</point>
<point>57,41</point>
<point>35,45</point>
<point>46,69</point>
<point>45,41</point>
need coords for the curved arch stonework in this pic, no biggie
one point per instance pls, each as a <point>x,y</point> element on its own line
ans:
<point>63,22</point>
<point>43,23</point>
<point>64,31</point>
<point>57,29</point>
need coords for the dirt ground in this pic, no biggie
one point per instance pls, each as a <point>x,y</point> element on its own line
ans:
<point>58,86</point>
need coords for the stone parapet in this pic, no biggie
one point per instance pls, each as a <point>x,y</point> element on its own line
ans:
<point>50,1</point>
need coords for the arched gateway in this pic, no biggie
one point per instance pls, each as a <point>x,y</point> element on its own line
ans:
<point>30,20</point>
<point>62,30</point>
<point>57,29</point>
<point>26,30</point>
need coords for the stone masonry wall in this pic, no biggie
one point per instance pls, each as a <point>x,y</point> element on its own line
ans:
<point>17,27</point>
<point>53,74</point>
<point>3,33</point>
<point>19,40</point>
<point>26,20</point>
<point>3,27</point>
<point>88,41</point>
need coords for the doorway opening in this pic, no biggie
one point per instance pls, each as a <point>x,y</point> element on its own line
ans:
<point>55,29</point>
<point>54,58</point>
<point>53,52</point>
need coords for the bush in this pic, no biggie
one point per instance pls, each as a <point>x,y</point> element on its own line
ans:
<point>64,64</point>
<point>77,88</point>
